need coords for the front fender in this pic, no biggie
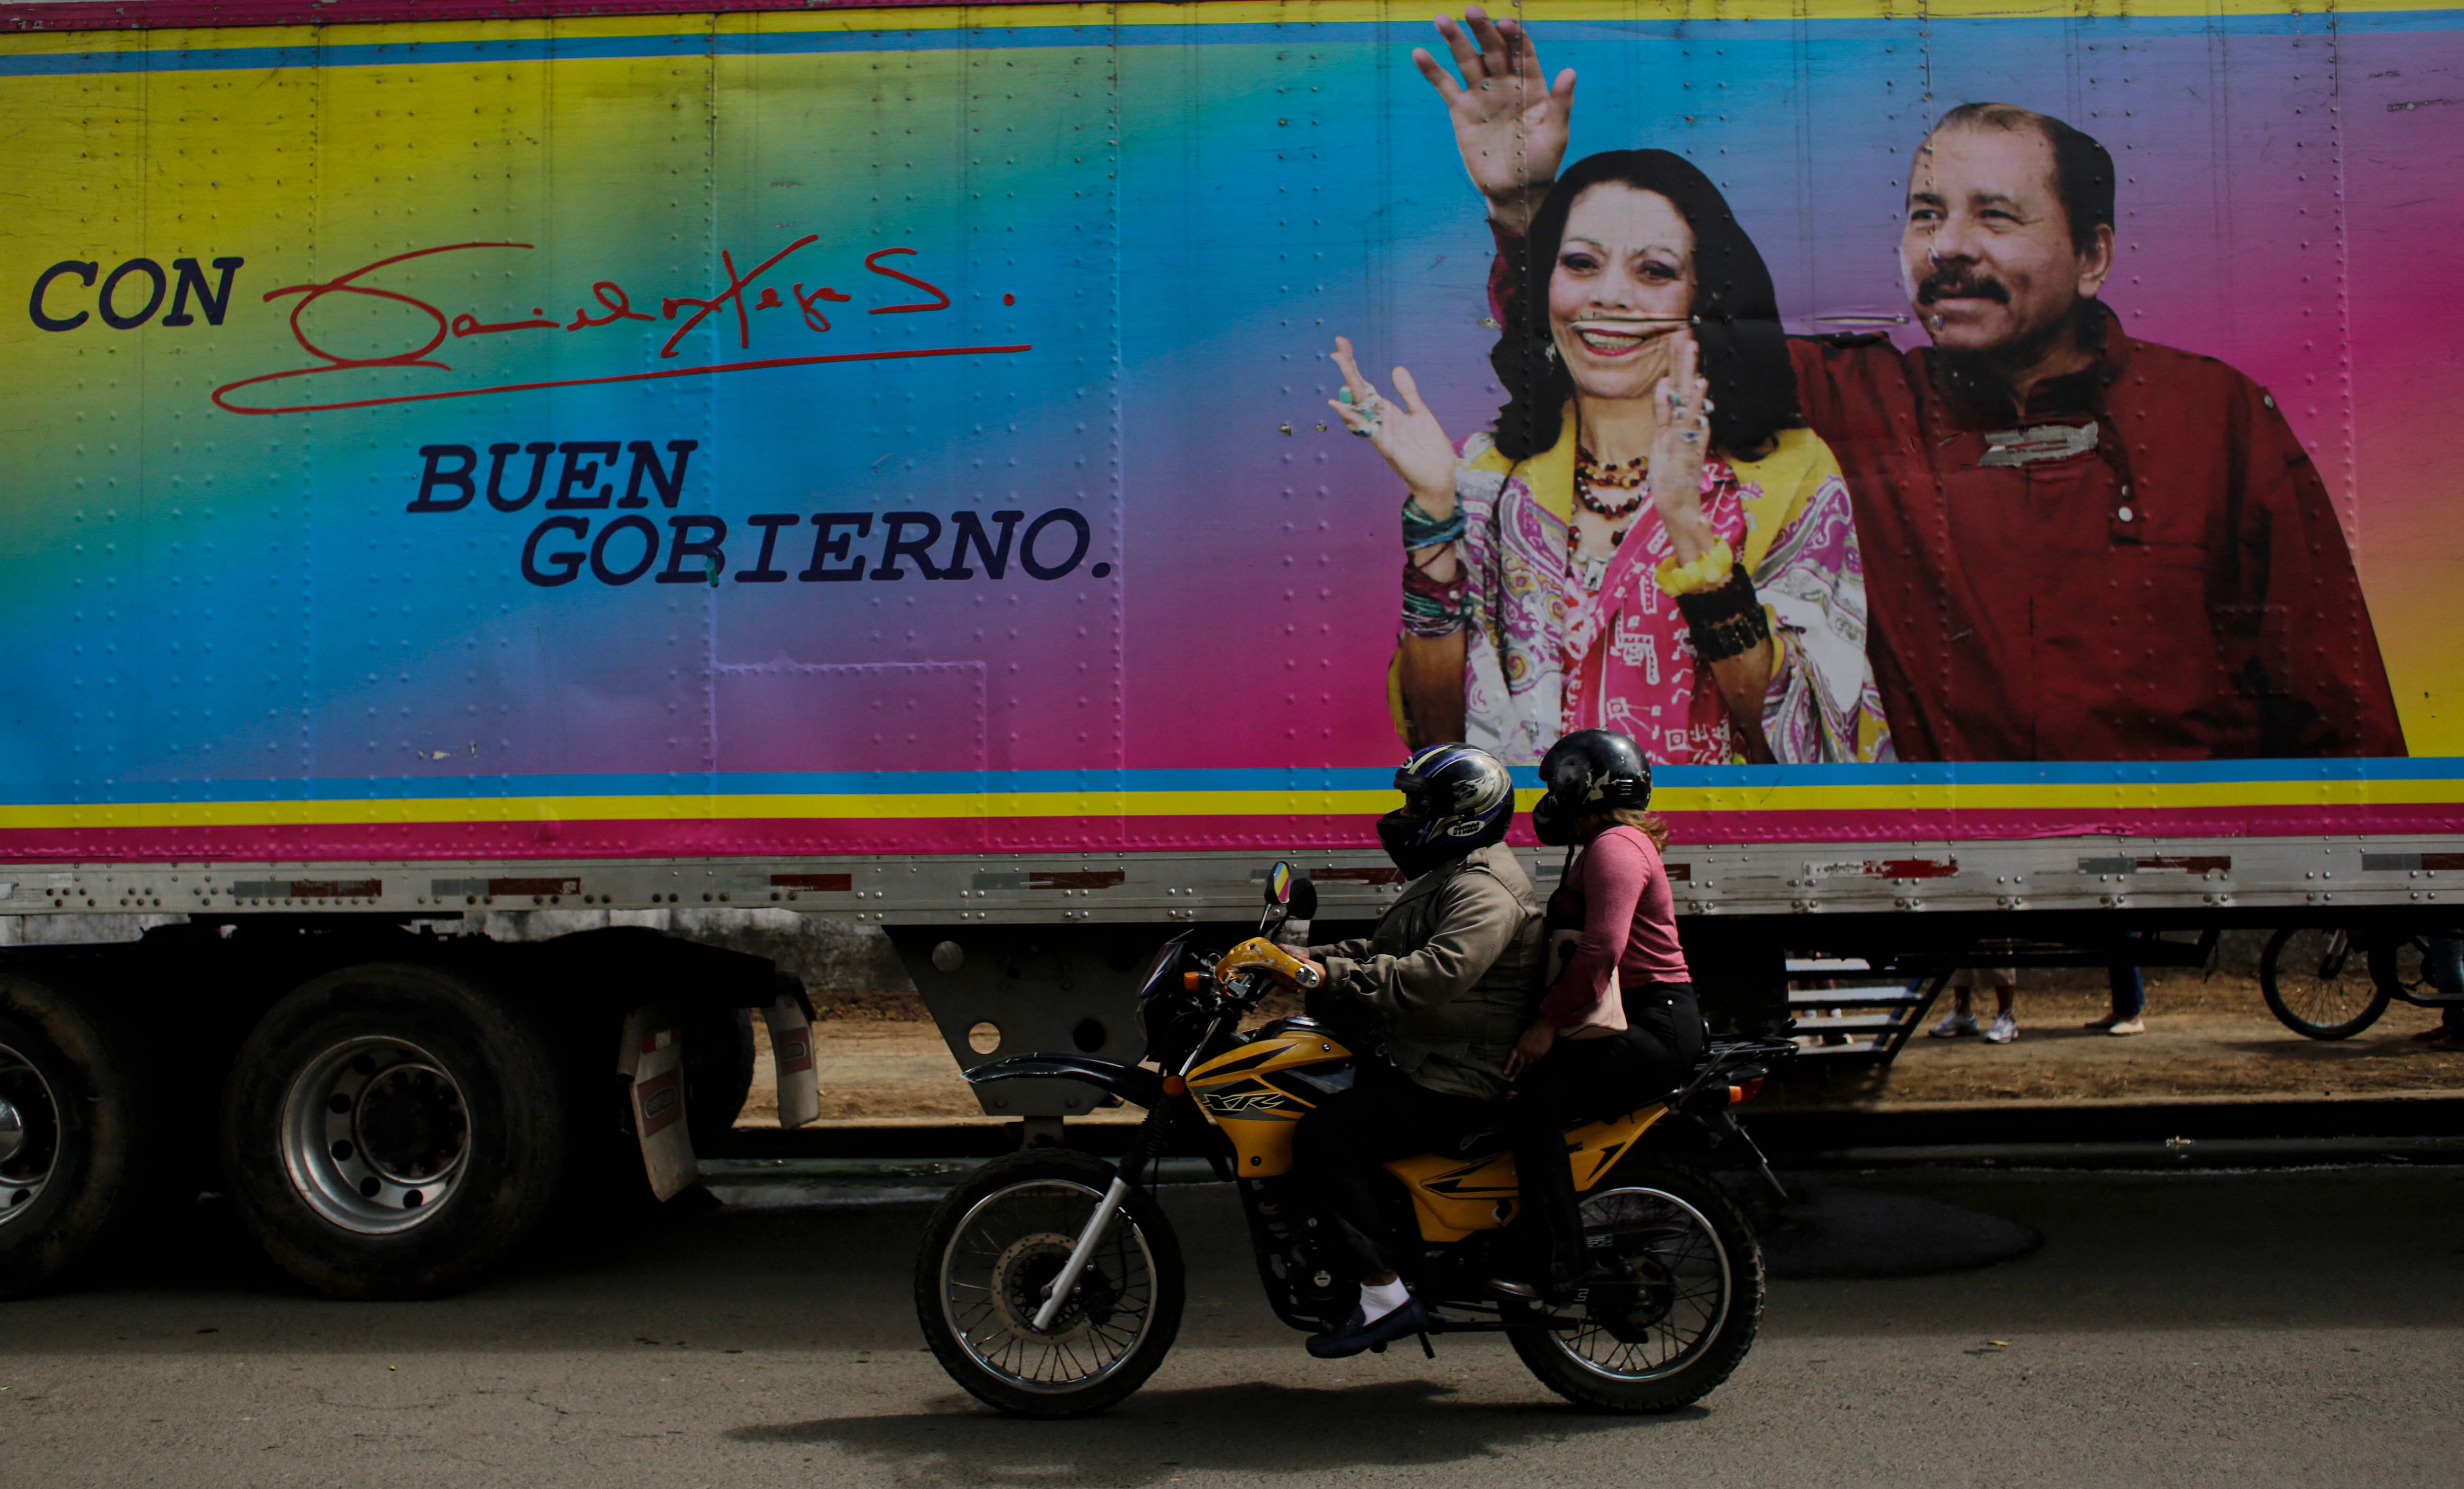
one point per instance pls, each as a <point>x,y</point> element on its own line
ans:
<point>1132,1084</point>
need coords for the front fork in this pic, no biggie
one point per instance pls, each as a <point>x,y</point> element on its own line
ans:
<point>1142,1147</point>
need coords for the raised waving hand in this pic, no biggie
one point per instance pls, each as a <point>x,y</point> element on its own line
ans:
<point>1509,122</point>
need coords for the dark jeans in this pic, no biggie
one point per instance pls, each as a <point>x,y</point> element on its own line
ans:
<point>2127,989</point>
<point>2445,967</point>
<point>1339,1150</point>
<point>2129,992</point>
<point>1584,1081</point>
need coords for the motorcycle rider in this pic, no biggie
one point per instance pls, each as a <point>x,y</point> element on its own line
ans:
<point>1618,1025</point>
<point>1448,979</point>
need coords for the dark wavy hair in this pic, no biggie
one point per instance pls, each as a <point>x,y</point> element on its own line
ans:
<point>1735,316</point>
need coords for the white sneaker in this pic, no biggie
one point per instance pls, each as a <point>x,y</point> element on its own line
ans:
<point>1953,1024</point>
<point>2127,1026</point>
<point>2006,1028</point>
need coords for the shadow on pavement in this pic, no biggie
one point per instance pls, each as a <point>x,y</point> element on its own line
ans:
<point>1157,1435</point>
<point>1843,1231</point>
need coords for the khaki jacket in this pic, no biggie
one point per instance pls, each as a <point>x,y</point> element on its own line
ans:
<point>1453,971</point>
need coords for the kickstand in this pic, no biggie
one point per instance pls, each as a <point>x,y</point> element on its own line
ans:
<point>1778,1190</point>
<point>1427,1347</point>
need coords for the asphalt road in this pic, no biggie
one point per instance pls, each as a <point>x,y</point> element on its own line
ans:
<point>2235,1329</point>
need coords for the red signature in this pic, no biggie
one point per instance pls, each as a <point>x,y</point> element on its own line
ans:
<point>613,305</point>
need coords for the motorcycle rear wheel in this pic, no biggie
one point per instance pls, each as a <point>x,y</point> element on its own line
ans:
<point>980,1274</point>
<point>1682,1310</point>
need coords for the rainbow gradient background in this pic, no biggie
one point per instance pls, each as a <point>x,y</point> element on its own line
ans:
<point>228,639</point>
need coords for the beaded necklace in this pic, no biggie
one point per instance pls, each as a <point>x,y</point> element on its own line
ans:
<point>1623,475</point>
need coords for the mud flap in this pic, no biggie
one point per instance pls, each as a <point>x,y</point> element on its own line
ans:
<point>791,1056</point>
<point>654,1061</point>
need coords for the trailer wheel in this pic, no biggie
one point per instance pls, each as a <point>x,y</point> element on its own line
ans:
<point>72,1101</point>
<point>392,1132</point>
<point>718,1072</point>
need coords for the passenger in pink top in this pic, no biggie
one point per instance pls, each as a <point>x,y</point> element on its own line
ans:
<point>1619,1024</point>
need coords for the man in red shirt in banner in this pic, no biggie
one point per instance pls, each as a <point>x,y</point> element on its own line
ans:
<point>2078,545</point>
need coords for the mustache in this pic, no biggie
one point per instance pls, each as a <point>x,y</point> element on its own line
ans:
<point>1961,283</point>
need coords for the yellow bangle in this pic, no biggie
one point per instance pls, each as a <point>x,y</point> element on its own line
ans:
<point>1708,572</point>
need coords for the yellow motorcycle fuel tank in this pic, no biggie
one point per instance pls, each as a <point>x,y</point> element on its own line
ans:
<point>1257,1090</point>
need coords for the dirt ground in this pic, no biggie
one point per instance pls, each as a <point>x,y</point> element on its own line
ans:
<point>2205,1036</point>
<point>879,1056</point>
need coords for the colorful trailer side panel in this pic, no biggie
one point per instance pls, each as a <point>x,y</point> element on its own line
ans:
<point>769,433</point>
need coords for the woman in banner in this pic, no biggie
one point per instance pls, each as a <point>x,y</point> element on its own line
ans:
<point>1649,540</point>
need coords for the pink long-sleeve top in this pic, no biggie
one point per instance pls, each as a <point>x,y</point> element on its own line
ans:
<point>1618,891</point>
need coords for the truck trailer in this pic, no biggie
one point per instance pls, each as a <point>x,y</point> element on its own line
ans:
<point>879,462</point>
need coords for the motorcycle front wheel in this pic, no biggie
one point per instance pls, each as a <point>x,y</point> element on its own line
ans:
<point>1675,1296</point>
<point>987,1256</point>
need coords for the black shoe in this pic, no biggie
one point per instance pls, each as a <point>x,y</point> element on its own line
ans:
<point>1515,1288</point>
<point>1357,1336</point>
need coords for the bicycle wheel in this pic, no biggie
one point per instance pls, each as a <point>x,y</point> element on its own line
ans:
<point>2400,965</point>
<point>990,1251</point>
<point>2320,984</point>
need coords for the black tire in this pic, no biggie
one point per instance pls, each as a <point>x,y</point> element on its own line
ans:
<point>2399,964</point>
<point>2293,977</point>
<point>1652,1211</point>
<point>74,1174</point>
<point>458,1117</point>
<point>1045,1194</point>
<point>718,1072</point>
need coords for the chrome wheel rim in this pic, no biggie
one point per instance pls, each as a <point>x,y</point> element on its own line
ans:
<point>376,1135</point>
<point>30,1134</point>
<point>1012,1242</point>
<point>1672,1290</point>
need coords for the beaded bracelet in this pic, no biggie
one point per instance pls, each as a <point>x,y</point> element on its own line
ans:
<point>1434,607</point>
<point>1708,572</point>
<point>1423,531</point>
<point>1726,621</point>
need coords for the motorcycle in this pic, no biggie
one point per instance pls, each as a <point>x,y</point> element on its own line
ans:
<point>1050,1283</point>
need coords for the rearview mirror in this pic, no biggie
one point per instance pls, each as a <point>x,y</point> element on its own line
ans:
<point>1304,900</point>
<point>1279,885</point>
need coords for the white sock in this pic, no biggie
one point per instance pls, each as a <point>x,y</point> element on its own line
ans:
<point>1380,1299</point>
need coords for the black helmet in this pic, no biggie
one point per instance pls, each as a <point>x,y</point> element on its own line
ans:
<point>1455,798</point>
<point>1590,770</point>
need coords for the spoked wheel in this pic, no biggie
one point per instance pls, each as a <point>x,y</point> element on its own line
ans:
<point>1679,1297</point>
<point>994,1246</point>
<point>2321,983</point>
<point>2400,965</point>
